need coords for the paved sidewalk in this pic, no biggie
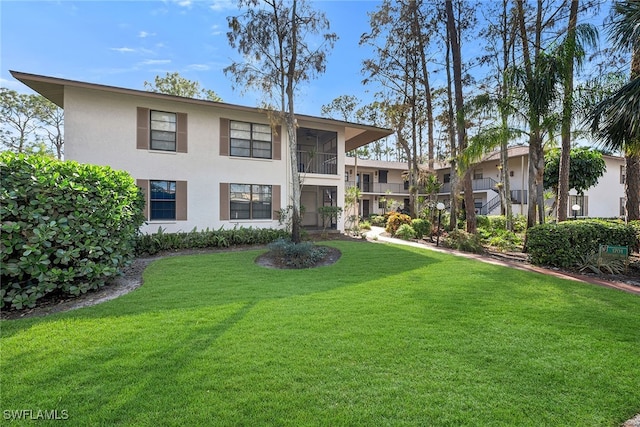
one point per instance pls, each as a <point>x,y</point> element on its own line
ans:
<point>377,234</point>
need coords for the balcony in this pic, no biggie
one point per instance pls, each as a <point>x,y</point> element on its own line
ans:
<point>477,185</point>
<point>321,163</point>
<point>379,188</point>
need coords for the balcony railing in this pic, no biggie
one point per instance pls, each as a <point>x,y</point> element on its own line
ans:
<point>323,163</point>
<point>379,188</point>
<point>476,184</point>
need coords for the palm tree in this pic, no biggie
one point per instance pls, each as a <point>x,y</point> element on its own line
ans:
<point>615,121</point>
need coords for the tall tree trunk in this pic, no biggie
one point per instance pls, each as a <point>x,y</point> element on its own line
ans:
<point>632,156</point>
<point>290,119</point>
<point>505,189</point>
<point>454,192</point>
<point>427,86</point>
<point>460,119</point>
<point>567,109</point>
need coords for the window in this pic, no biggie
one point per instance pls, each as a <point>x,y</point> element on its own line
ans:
<point>447,178</point>
<point>623,207</point>
<point>162,200</point>
<point>477,174</point>
<point>250,201</point>
<point>382,176</point>
<point>580,201</point>
<point>163,131</point>
<point>250,140</point>
<point>623,174</point>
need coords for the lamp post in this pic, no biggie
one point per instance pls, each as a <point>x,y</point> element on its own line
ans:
<point>440,207</point>
<point>575,208</point>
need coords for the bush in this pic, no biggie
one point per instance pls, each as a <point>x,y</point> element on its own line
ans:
<point>406,232</point>
<point>395,220</point>
<point>65,226</point>
<point>506,241</point>
<point>151,244</point>
<point>365,225</point>
<point>483,221</point>
<point>565,244</point>
<point>422,227</point>
<point>300,255</point>
<point>463,241</point>
<point>378,220</point>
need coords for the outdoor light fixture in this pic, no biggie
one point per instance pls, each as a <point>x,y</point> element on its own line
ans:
<point>440,207</point>
<point>575,208</point>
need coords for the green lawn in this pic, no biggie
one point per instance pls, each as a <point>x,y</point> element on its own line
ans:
<point>389,335</point>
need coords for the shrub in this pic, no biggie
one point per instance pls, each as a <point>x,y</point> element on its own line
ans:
<point>497,222</point>
<point>463,241</point>
<point>564,244</point>
<point>378,220</point>
<point>300,255</point>
<point>406,232</point>
<point>395,220</point>
<point>65,226</point>
<point>151,244</point>
<point>365,225</point>
<point>506,241</point>
<point>422,227</point>
<point>482,221</point>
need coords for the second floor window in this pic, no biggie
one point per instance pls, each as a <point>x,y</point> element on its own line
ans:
<point>163,131</point>
<point>250,140</point>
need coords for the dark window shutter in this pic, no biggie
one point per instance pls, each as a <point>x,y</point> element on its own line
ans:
<point>224,137</point>
<point>181,200</point>
<point>142,136</point>
<point>224,201</point>
<point>144,185</point>
<point>275,201</point>
<point>277,143</point>
<point>181,133</point>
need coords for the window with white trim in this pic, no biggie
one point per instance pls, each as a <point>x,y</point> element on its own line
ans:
<point>162,201</point>
<point>250,201</point>
<point>163,131</point>
<point>250,140</point>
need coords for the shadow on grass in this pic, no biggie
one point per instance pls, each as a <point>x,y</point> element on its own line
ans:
<point>193,281</point>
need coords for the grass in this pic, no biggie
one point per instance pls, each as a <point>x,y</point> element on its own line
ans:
<point>389,335</point>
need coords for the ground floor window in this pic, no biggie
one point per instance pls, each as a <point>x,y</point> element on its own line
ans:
<point>250,201</point>
<point>163,200</point>
<point>580,201</point>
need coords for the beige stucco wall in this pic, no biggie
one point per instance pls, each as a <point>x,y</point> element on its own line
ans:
<point>100,128</point>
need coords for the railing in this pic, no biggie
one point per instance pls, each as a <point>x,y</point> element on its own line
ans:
<point>476,185</point>
<point>488,207</point>
<point>518,197</point>
<point>323,163</point>
<point>379,188</point>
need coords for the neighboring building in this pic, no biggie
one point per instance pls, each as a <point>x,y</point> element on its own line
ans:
<point>203,164</point>
<point>380,181</point>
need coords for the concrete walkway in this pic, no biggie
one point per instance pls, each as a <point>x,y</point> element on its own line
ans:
<point>377,234</point>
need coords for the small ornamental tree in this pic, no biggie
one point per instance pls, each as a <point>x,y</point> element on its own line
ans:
<point>65,226</point>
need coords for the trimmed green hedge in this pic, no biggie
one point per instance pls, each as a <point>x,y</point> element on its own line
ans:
<point>65,226</point>
<point>564,244</point>
<point>150,244</point>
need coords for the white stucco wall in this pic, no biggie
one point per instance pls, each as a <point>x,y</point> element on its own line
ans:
<point>604,198</point>
<point>100,128</point>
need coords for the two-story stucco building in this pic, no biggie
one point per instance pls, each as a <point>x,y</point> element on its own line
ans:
<point>381,181</point>
<point>203,164</point>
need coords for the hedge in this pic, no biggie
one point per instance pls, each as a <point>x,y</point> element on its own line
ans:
<point>151,244</point>
<point>564,244</point>
<point>66,226</point>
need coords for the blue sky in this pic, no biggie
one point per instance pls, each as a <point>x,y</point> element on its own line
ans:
<point>124,43</point>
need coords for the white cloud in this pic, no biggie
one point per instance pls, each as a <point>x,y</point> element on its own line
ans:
<point>198,67</point>
<point>123,49</point>
<point>220,5</point>
<point>216,30</point>
<point>183,3</point>
<point>144,34</point>
<point>155,62</point>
